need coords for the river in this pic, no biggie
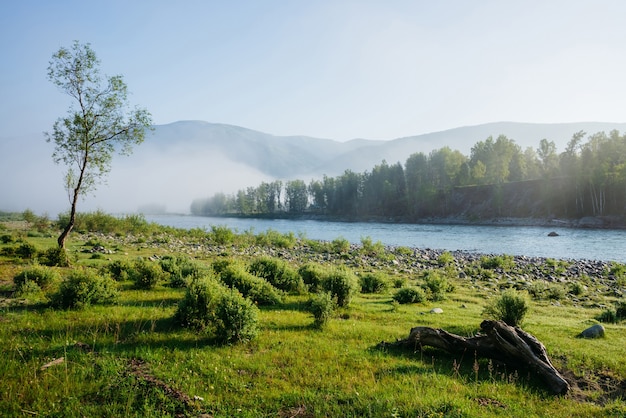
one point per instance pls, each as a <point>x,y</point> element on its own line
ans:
<point>591,244</point>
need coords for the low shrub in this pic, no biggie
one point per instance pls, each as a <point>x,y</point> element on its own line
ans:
<point>503,262</point>
<point>608,316</point>
<point>577,289</point>
<point>29,289</point>
<point>340,245</point>
<point>313,275</point>
<point>436,285</point>
<point>445,259</point>
<point>510,306</point>
<point>222,234</point>
<point>257,289</point>
<point>26,251</point>
<point>322,306</point>
<point>236,318</point>
<point>372,248</point>
<point>84,287</point>
<point>182,270</point>
<point>196,309</point>
<point>220,265</point>
<point>613,315</point>
<point>6,239</point>
<point>374,283</point>
<point>42,276</point>
<point>271,238</point>
<point>551,291</point>
<point>55,257</point>
<point>120,269</point>
<point>145,274</point>
<point>342,285</point>
<point>278,273</point>
<point>408,295</point>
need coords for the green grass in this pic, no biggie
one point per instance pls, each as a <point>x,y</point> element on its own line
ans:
<point>131,358</point>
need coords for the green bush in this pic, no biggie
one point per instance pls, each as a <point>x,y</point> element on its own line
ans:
<point>182,270</point>
<point>577,289</point>
<point>196,309</point>
<point>271,238</point>
<point>236,318</point>
<point>436,285</point>
<point>342,285</point>
<point>372,248</point>
<point>55,257</point>
<point>613,315</point>
<point>222,234</point>
<point>257,289</point>
<point>278,273</point>
<point>407,295</point>
<point>510,306</point>
<point>220,265</point>
<point>29,289</point>
<point>503,262</point>
<point>322,306</point>
<point>374,283</point>
<point>85,287</point>
<point>146,274</point>
<point>26,251</point>
<point>340,245</point>
<point>42,276</point>
<point>313,275</point>
<point>541,290</point>
<point>6,239</point>
<point>120,270</point>
<point>445,259</point>
<point>608,316</point>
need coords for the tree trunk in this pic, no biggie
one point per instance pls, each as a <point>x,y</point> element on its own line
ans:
<point>499,341</point>
<point>70,225</point>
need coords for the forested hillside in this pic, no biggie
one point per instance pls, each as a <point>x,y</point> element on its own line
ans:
<point>498,178</point>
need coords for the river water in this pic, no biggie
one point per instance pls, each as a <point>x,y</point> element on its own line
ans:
<point>591,244</point>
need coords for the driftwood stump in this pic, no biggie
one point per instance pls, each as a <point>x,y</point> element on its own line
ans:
<point>498,341</point>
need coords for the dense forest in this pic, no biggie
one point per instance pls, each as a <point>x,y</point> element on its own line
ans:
<point>498,178</point>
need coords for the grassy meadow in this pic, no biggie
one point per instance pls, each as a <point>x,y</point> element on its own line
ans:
<point>131,357</point>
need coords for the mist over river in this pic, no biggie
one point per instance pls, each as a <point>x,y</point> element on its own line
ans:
<point>590,244</point>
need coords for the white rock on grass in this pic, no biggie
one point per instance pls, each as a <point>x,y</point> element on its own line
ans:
<point>436,310</point>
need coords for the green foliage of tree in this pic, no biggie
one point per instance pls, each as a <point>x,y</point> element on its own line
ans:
<point>587,179</point>
<point>98,124</point>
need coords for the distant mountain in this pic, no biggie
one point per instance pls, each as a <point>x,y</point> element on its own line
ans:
<point>293,156</point>
<point>182,161</point>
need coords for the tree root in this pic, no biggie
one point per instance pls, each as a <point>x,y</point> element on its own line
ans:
<point>498,341</point>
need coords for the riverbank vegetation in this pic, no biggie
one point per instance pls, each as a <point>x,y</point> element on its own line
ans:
<point>498,179</point>
<point>222,323</point>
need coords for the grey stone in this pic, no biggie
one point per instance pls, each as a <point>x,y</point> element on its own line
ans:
<point>436,310</point>
<point>594,331</point>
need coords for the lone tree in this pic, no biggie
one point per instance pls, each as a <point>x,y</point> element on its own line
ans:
<point>99,123</point>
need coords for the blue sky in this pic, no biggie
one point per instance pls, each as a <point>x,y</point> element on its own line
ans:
<point>338,69</point>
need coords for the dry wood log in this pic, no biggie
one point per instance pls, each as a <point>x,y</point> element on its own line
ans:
<point>498,341</point>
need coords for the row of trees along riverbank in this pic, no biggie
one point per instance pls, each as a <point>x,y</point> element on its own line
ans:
<point>498,178</point>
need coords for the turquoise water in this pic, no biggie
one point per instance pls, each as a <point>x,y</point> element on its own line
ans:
<point>591,244</point>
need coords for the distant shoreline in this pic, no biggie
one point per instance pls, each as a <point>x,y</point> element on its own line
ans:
<point>596,222</point>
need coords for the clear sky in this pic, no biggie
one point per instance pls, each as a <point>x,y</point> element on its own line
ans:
<point>337,69</point>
